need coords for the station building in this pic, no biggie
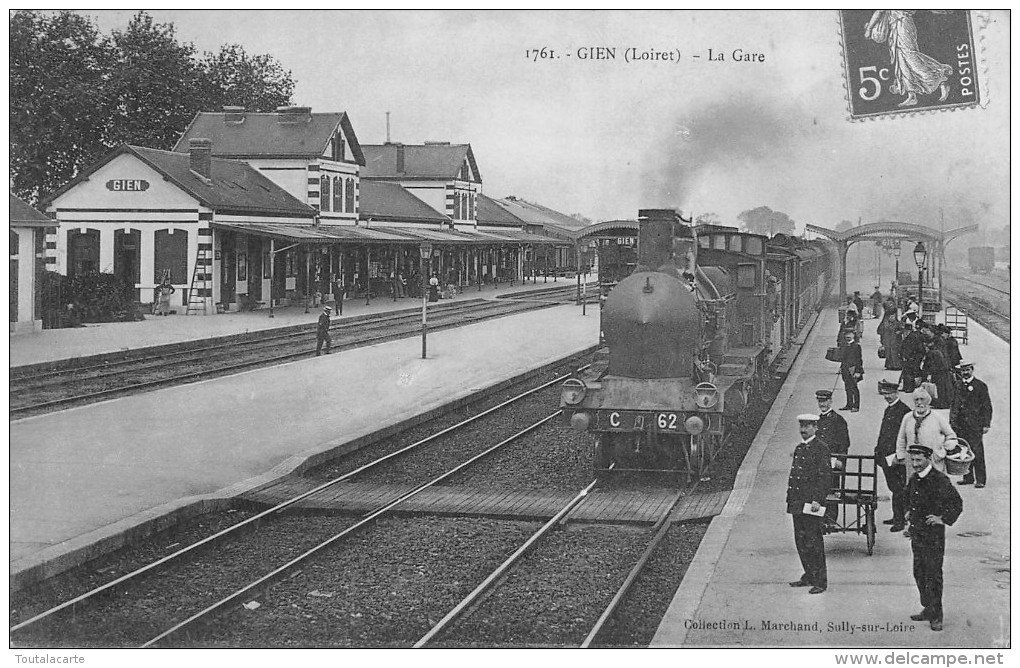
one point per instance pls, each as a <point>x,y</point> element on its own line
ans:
<point>28,261</point>
<point>285,207</point>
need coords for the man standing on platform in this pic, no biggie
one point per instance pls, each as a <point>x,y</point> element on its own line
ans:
<point>885,452</point>
<point>322,331</point>
<point>934,504</point>
<point>834,433</point>
<point>970,416</point>
<point>876,303</point>
<point>911,353</point>
<point>810,476</point>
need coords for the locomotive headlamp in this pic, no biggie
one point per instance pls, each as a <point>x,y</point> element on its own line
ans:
<point>706,395</point>
<point>694,425</point>
<point>580,421</point>
<point>573,391</point>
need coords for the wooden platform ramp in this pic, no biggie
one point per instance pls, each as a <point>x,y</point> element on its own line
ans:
<point>602,506</point>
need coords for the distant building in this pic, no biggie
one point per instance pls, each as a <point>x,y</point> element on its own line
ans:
<point>28,261</point>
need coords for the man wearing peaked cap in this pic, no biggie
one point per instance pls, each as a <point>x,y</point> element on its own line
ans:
<point>835,434</point>
<point>934,504</point>
<point>808,486</point>
<point>970,416</point>
<point>885,452</point>
<point>322,331</point>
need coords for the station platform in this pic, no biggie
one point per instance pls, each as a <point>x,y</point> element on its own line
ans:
<point>84,480</point>
<point>736,592</point>
<point>50,345</point>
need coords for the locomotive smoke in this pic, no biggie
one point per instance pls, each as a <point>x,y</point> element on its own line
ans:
<point>735,134</point>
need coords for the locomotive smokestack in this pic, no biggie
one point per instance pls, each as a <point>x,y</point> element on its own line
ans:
<point>655,237</point>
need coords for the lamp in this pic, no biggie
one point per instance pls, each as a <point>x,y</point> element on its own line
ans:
<point>920,254</point>
<point>425,250</point>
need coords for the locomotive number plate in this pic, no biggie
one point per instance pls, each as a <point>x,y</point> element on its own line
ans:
<point>639,421</point>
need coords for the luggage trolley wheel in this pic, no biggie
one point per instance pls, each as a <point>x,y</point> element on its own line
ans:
<point>869,528</point>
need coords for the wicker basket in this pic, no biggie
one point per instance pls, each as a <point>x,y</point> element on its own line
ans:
<point>959,464</point>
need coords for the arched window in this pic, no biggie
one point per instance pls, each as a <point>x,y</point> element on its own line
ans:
<point>323,193</point>
<point>338,193</point>
<point>350,195</point>
<point>471,206</point>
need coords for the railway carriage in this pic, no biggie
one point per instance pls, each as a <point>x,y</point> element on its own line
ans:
<point>690,335</point>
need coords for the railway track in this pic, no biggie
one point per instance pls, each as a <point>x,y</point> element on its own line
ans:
<point>986,304</point>
<point>45,390</point>
<point>74,608</point>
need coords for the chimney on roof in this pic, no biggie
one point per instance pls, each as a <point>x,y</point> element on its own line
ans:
<point>232,115</point>
<point>400,158</point>
<point>200,151</point>
<point>293,115</point>
<point>437,143</point>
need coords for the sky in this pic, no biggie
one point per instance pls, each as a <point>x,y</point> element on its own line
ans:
<point>604,138</point>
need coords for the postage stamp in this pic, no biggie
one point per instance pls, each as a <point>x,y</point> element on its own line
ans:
<point>905,60</point>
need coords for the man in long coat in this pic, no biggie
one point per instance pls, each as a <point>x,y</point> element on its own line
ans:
<point>835,434</point>
<point>971,418</point>
<point>885,452</point>
<point>808,486</point>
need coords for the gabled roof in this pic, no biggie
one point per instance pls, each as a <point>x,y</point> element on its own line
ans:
<point>25,215</point>
<point>536,214</point>
<point>262,135</point>
<point>421,161</point>
<point>388,201</point>
<point>234,186</point>
<point>490,213</point>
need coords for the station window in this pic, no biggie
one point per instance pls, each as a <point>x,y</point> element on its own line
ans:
<point>171,253</point>
<point>324,197</point>
<point>349,199</point>
<point>471,206</point>
<point>338,194</point>
<point>290,264</point>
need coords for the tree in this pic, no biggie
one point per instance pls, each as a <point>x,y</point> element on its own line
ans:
<point>584,220</point>
<point>75,94</point>
<point>60,99</point>
<point>157,84</point>
<point>708,219</point>
<point>764,220</point>
<point>844,225</point>
<point>233,78</point>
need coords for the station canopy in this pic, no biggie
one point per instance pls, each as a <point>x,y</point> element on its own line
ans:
<point>412,236</point>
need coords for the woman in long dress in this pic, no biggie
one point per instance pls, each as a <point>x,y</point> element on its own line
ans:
<point>913,72</point>
<point>889,333</point>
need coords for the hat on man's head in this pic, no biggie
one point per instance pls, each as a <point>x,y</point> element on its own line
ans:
<point>888,386</point>
<point>327,307</point>
<point>823,394</point>
<point>918,449</point>
<point>965,363</point>
<point>807,417</point>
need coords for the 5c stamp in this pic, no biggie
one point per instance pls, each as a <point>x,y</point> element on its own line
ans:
<point>904,60</point>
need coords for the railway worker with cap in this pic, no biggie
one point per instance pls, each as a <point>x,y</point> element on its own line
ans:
<point>971,418</point>
<point>322,331</point>
<point>934,505</point>
<point>885,452</point>
<point>923,426</point>
<point>851,370</point>
<point>810,477</point>
<point>835,434</point>
<point>876,302</point>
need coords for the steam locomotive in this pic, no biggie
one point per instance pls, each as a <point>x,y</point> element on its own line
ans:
<point>690,336</point>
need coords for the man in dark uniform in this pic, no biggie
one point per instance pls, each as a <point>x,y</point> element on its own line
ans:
<point>911,354</point>
<point>970,416</point>
<point>859,303</point>
<point>934,505</point>
<point>810,476</point>
<point>835,434</point>
<point>322,332</point>
<point>876,303</point>
<point>885,452</point>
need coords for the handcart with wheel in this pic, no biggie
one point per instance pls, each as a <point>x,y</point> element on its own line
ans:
<point>855,496</point>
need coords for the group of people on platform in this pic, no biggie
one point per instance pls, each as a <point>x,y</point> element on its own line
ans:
<point>913,443</point>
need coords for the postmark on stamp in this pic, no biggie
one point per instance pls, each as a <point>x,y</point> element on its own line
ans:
<point>905,60</point>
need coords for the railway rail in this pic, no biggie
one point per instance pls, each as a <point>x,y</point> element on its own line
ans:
<point>41,391</point>
<point>987,304</point>
<point>254,522</point>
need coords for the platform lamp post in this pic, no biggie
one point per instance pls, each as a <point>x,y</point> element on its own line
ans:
<point>426,254</point>
<point>920,255</point>
<point>896,276</point>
